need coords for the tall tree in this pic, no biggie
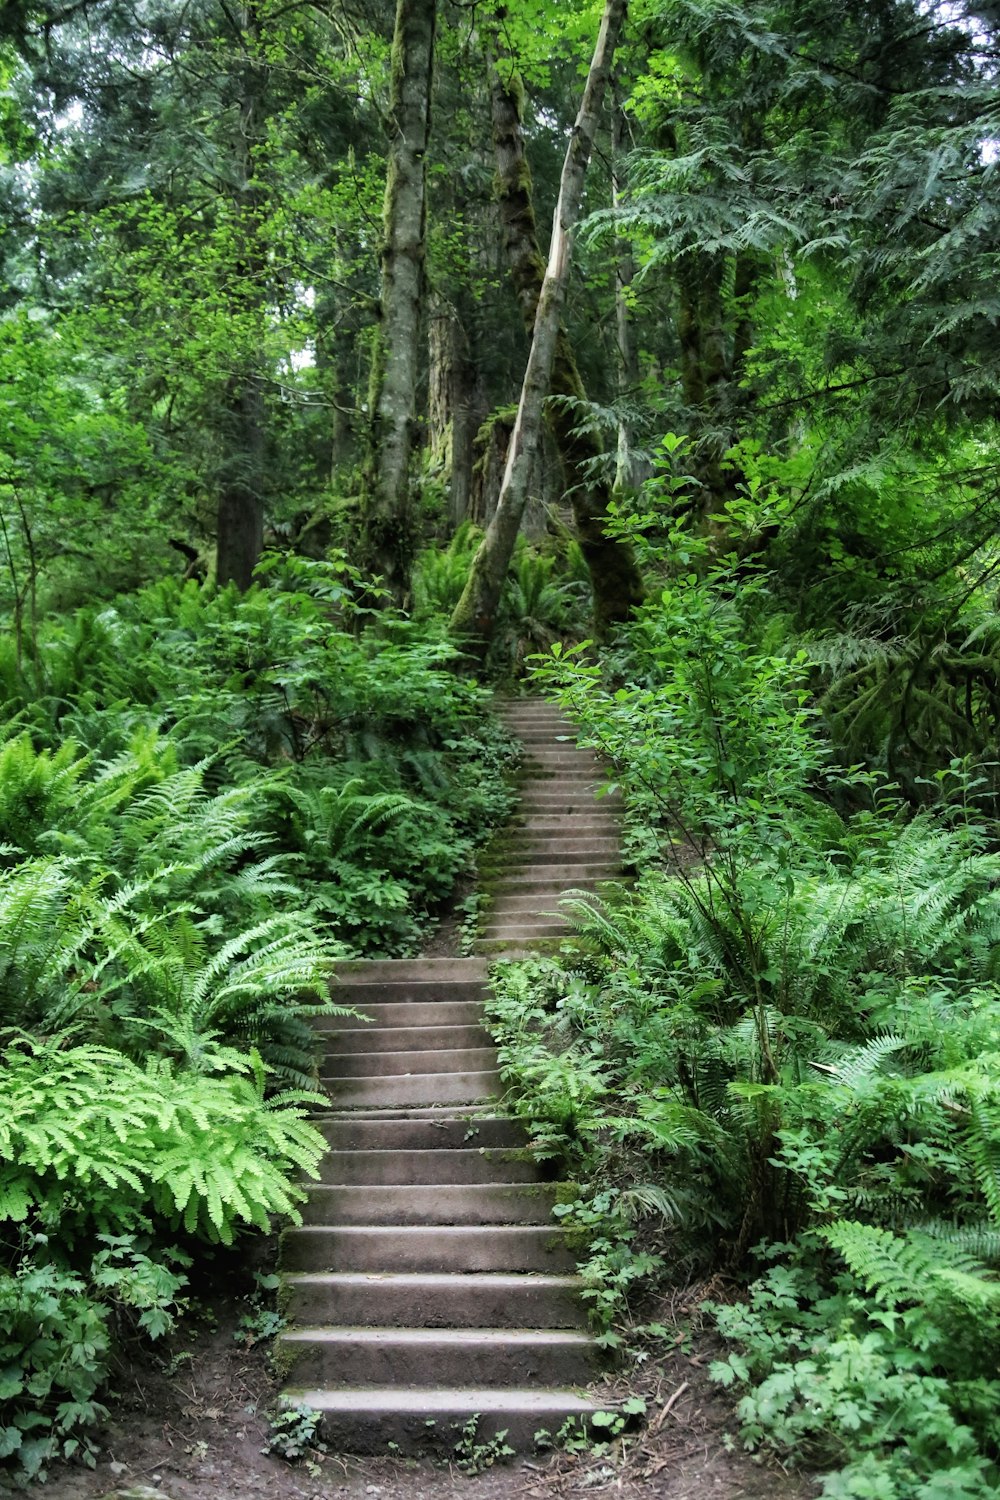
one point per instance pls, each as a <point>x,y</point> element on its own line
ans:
<point>475,615</point>
<point>397,357</point>
<point>240,524</point>
<point>615,579</point>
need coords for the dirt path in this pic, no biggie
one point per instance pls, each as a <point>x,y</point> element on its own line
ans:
<point>190,1424</point>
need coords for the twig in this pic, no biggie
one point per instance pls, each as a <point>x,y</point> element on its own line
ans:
<point>665,1410</point>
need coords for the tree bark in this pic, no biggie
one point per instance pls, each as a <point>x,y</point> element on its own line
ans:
<point>629,471</point>
<point>240,512</point>
<point>389,539</point>
<point>615,579</point>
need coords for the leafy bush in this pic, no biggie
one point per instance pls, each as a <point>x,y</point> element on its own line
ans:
<point>91,1142</point>
<point>786,1035</point>
<point>95,1150</point>
<point>880,1372</point>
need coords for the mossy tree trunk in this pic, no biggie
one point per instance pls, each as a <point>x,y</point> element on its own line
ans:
<point>388,520</point>
<point>240,507</point>
<point>615,578</point>
<point>629,471</point>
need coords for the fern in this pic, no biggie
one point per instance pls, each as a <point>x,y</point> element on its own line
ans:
<point>202,1153</point>
<point>913,1267</point>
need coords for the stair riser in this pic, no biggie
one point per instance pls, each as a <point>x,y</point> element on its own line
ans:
<point>565,804</point>
<point>456,1305</point>
<point>411,970</point>
<point>541,775</point>
<point>529,903</point>
<point>395,1136</point>
<point>526,928</point>
<point>562,851</point>
<point>383,1092</point>
<point>377,1038</point>
<point>412,1013</point>
<point>561,876</point>
<point>547,734</point>
<point>404,1168</point>
<point>461,1249</point>
<point>394,1064</point>
<point>364,1431</point>
<point>502,938</point>
<point>346,991</point>
<point>437,1203</point>
<point>580,826</point>
<point>341,1362</point>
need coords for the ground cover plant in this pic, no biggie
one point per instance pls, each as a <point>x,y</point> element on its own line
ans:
<point>205,800</point>
<point>777,1054</point>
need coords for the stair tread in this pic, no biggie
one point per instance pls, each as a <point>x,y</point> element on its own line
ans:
<point>510,1280</point>
<point>430,1399</point>
<point>493,1304</point>
<point>362,1334</point>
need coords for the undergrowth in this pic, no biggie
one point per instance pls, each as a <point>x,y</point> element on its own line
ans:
<point>206,799</point>
<point>779,1055</point>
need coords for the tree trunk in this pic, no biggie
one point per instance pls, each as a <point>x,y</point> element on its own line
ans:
<point>240,513</point>
<point>389,539</point>
<point>629,471</point>
<point>475,615</point>
<point>615,579</point>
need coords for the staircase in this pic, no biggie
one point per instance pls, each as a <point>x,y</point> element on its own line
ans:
<point>429,1282</point>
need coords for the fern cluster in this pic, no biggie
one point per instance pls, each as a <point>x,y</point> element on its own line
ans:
<point>206,799</point>
<point>779,1051</point>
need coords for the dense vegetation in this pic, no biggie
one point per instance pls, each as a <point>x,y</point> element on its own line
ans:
<point>276,470</point>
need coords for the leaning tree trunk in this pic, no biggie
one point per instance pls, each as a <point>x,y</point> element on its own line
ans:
<point>389,539</point>
<point>240,513</point>
<point>630,471</point>
<point>475,615</point>
<point>615,578</point>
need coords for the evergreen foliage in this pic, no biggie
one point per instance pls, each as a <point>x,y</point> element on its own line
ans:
<point>777,1054</point>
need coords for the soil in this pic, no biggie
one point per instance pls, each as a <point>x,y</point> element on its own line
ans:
<point>188,1420</point>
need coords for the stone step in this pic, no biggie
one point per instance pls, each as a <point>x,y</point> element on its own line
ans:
<point>497,939</point>
<point>434,1164</point>
<point>541,760</point>
<point>429,1130</point>
<point>407,1062</point>
<point>432,1203</point>
<point>366,1420</point>
<point>531,903</point>
<point>409,1013</point>
<point>394,1092</point>
<point>533,842</point>
<point>464,1109</point>
<point>544,734</point>
<point>562,846</point>
<point>362,993</point>
<point>501,951</point>
<point>568,797</point>
<point>456,1248</point>
<point>542,772</point>
<point>376,1038</point>
<point>523,924</point>
<point>560,876</point>
<point>606,825</point>
<point>364,1356</point>
<point>419,970</point>
<point>435,1300</point>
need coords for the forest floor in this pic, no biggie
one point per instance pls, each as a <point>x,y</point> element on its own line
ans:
<point>188,1420</point>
